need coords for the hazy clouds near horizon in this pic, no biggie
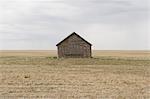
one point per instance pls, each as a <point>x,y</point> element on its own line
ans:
<point>107,24</point>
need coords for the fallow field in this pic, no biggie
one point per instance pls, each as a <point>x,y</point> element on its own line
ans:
<point>108,75</point>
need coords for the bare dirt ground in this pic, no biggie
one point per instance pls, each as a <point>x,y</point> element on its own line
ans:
<point>40,75</point>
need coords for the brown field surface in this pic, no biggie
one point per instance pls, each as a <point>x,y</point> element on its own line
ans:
<point>96,53</point>
<point>108,75</point>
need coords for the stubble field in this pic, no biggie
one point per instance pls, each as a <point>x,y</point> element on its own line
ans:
<point>108,75</point>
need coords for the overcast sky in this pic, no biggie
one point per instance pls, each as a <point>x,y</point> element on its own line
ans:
<point>107,24</point>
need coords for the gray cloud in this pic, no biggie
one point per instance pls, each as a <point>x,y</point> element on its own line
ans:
<point>108,24</point>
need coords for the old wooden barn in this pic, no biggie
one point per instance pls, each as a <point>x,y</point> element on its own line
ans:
<point>74,46</point>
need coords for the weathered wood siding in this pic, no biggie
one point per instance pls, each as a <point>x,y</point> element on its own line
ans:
<point>74,47</point>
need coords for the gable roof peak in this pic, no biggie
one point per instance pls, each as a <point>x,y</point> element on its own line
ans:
<point>74,33</point>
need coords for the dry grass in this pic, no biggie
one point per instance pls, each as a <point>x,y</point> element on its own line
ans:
<point>42,76</point>
<point>28,53</point>
<point>123,53</point>
<point>96,53</point>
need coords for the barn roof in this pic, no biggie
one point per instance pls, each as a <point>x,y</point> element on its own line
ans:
<point>76,35</point>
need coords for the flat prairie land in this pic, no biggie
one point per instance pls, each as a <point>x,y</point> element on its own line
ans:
<point>96,53</point>
<point>108,75</point>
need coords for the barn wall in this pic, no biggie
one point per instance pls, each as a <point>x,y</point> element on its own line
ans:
<point>74,47</point>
